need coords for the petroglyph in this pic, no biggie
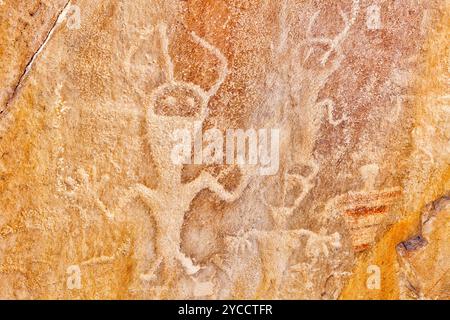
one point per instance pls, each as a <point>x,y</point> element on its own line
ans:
<point>426,21</point>
<point>367,210</point>
<point>334,44</point>
<point>284,28</point>
<point>122,250</point>
<point>397,109</point>
<point>171,200</point>
<point>88,185</point>
<point>98,200</point>
<point>276,246</point>
<point>314,70</point>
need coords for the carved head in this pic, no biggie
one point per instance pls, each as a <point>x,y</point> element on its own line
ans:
<point>179,99</point>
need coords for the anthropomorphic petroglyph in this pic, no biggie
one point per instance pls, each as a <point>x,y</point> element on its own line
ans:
<point>317,72</point>
<point>277,245</point>
<point>171,199</point>
<point>314,60</point>
<point>302,114</point>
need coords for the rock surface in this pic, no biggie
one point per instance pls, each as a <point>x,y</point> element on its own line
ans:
<point>93,204</point>
<point>425,263</point>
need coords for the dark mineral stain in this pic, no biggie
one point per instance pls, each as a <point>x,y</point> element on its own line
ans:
<point>413,244</point>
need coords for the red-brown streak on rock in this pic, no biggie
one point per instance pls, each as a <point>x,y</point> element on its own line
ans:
<point>364,198</point>
<point>361,247</point>
<point>365,211</point>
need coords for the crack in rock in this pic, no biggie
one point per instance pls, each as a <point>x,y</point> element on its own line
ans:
<point>58,20</point>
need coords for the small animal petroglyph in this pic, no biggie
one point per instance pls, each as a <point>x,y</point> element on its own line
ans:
<point>90,186</point>
<point>122,250</point>
<point>397,109</point>
<point>276,246</point>
<point>71,13</point>
<point>74,277</point>
<point>203,289</point>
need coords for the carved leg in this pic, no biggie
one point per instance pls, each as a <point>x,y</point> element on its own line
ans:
<point>206,181</point>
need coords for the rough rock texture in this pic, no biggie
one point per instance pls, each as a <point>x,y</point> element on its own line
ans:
<point>426,266</point>
<point>92,204</point>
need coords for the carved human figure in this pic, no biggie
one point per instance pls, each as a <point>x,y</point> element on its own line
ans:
<point>316,59</point>
<point>305,115</point>
<point>177,105</point>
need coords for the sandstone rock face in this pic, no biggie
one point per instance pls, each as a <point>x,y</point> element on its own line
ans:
<point>425,264</point>
<point>121,178</point>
